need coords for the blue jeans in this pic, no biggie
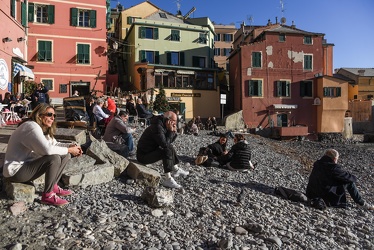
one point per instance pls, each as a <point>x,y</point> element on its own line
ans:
<point>353,192</point>
<point>129,141</point>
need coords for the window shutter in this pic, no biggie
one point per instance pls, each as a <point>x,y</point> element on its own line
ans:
<point>93,18</point>
<point>181,58</point>
<point>155,33</point>
<point>168,57</point>
<point>141,32</point>
<point>51,14</point>
<point>250,88</point>
<point>13,8</point>
<point>31,12</point>
<point>325,91</point>
<point>41,49</point>
<point>79,53</point>
<point>338,91</point>
<point>74,17</point>
<point>279,88</point>
<point>48,48</point>
<point>157,57</point>
<point>288,89</point>
<point>142,55</point>
<point>309,90</point>
<point>259,87</point>
<point>24,14</point>
<point>86,50</point>
<point>302,88</point>
<point>129,20</point>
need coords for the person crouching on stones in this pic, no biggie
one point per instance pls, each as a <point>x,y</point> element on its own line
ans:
<point>329,181</point>
<point>33,151</point>
<point>156,144</point>
<point>239,156</point>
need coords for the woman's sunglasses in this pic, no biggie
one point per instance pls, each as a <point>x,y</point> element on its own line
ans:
<point>50,115</point>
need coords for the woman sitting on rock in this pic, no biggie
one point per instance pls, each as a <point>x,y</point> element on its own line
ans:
<point>239,156</point>
<point>33,151</point>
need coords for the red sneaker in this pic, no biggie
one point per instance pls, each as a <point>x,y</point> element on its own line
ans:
<point>61,192</point>
<point>52,199</point>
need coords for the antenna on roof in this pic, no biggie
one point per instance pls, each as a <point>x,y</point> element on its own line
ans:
<point>250,20</point>
<point>178,5</point>
<point>283,19</point>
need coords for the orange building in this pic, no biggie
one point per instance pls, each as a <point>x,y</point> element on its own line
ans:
<point>67,45</point>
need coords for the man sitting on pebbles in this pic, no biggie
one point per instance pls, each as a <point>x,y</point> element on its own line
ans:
<point>329,181</point>
<point>156,144</point>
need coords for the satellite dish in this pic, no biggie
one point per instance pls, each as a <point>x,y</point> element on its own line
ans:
<point>283,20</point>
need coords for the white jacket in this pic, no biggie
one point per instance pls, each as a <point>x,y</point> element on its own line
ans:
<point>28,143</point>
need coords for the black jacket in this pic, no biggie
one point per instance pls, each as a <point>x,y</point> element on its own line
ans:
<point>327,181</point>
<point>156,135</point>
<point>216,149</point>
<point>238,156</point>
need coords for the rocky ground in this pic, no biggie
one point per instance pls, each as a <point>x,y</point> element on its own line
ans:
<point>205,214</point>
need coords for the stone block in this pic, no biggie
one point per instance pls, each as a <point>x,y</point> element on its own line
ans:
<point>235,121</point>
<point>85,175</point>
<point>20,191</point>
<point>67,134</point>
<point>158,197</point>
<point>144,175</point>
<point>102,153</point>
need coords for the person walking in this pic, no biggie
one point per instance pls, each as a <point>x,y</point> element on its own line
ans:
<point>156,144</point>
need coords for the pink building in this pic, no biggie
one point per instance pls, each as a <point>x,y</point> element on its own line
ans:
<point>67,46</point>
<point>12,46</point>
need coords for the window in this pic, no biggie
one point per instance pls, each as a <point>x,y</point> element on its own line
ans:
<point>308,62</point>
<point>83,53</point>
<point>282,37</point>
<point>198,61</point>
<point>63,88</point>
<point>332,91</point>
<point>217,51</point>
<point>308,40</point>
<point>175,35</point>
<point>44,51</point>
<point>48,83</point>
<point>83,18</point>
<point>283,88</point>
<point>255,88</point>
<point>306,88</point>
<point>175,58</point>
<point>227,37</point>
<point>217,37</point>
<point>162,15</point>
<point>226,51</point>
<point>41,13</point>
<point>202,38</point>
<point>256,59</point>
<point>149,56</point>
<point>148,33</point>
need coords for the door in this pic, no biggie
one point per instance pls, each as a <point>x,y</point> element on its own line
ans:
<point>282,120</point>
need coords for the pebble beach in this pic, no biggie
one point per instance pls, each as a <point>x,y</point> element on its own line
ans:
<point>216,209</point>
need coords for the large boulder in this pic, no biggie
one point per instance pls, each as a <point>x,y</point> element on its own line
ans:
<point>144,175</point>
<point>102,153</point>
<point>235,121</point>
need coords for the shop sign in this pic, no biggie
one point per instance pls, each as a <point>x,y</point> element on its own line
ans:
<point>4,74</point>
<point>173,99</point>
<point>186,94</point>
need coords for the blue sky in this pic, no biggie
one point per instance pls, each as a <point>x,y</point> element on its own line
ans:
<point>348,24</point>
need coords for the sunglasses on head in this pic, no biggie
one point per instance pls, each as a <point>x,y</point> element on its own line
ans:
<point>50,115</point>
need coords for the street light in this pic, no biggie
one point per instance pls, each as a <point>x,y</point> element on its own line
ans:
<point>115,45</point>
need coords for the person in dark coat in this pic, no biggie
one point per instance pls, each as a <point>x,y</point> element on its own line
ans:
<point>329,181</point>
<point>239,156</point>
<point>156,144</point>
<point>40,95</point>
<point>215,150</point>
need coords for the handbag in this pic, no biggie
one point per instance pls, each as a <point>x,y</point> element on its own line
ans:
<point>200,159</point>
<point>117,139</point>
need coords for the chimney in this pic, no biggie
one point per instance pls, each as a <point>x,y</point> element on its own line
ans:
<point>293,25</point>
<point>269,22</point>
<point>361,72</point>
<point>276,20</point>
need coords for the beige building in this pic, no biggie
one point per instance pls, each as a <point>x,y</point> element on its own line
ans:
<point>175,51</point>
